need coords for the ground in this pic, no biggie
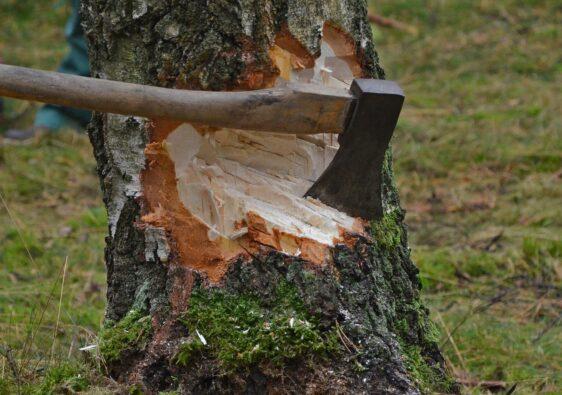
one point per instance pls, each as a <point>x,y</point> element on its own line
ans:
<point>478,164</point>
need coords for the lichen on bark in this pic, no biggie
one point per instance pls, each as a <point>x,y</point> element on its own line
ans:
<point>369,296</point>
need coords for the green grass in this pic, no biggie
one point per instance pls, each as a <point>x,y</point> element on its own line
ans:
<point>478,163</point>
<point>478,157</point>
<point>52,229</point>
<point>52,226</point>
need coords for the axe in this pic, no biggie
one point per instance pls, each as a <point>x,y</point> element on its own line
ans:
<point>364,117</point>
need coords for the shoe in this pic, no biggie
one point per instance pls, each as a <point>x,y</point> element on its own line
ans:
<point>24,134</point>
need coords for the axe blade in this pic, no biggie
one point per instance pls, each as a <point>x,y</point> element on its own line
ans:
<point>352,183</point>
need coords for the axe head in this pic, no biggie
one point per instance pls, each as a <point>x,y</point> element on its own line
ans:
<point>352,183</point>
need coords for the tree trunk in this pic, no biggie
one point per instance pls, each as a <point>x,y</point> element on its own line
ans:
<point>221,277</point>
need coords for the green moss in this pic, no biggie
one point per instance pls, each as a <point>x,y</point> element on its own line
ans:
<point>64,378</point>
<point>189,350</point>
<point>131,333</point>
<point>431,332</point>
<point>428,332</point>
<point>428,379</point>
<point>387,231</point>
<point>135,390</point>
<point>243,330</point>
<point>418,338</point>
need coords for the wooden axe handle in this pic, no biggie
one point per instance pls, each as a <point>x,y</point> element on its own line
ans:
<point>298,109</point>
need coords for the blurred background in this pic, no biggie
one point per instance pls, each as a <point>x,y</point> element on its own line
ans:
<point>478,161</point>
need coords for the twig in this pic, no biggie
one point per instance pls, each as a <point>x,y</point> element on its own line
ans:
<point>18,228</point>
<point>392,23</point>
<point>532,306</point>
<point>480,309</point>
<point>31,336</point>
<point>455,348</point>
<point>493,241</point>
<point>489,385</point>
<point>344,338</point>
<point>449,364</point>
<point>6,351</point>
<point>547,328</point>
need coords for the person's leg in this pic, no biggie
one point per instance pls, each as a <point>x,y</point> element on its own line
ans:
<point>76,62</point>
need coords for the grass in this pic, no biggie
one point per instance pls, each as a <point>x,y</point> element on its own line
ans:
<point>478,156</point>
<point>51,227</point>
<point>478,163</point>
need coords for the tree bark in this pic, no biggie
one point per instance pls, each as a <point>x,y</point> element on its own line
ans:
<point>203,302</point>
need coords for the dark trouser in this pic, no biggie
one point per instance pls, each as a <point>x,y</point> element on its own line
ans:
<point>76,62</point>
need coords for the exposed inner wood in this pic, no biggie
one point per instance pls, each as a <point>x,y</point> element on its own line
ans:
<point>220,193</point>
